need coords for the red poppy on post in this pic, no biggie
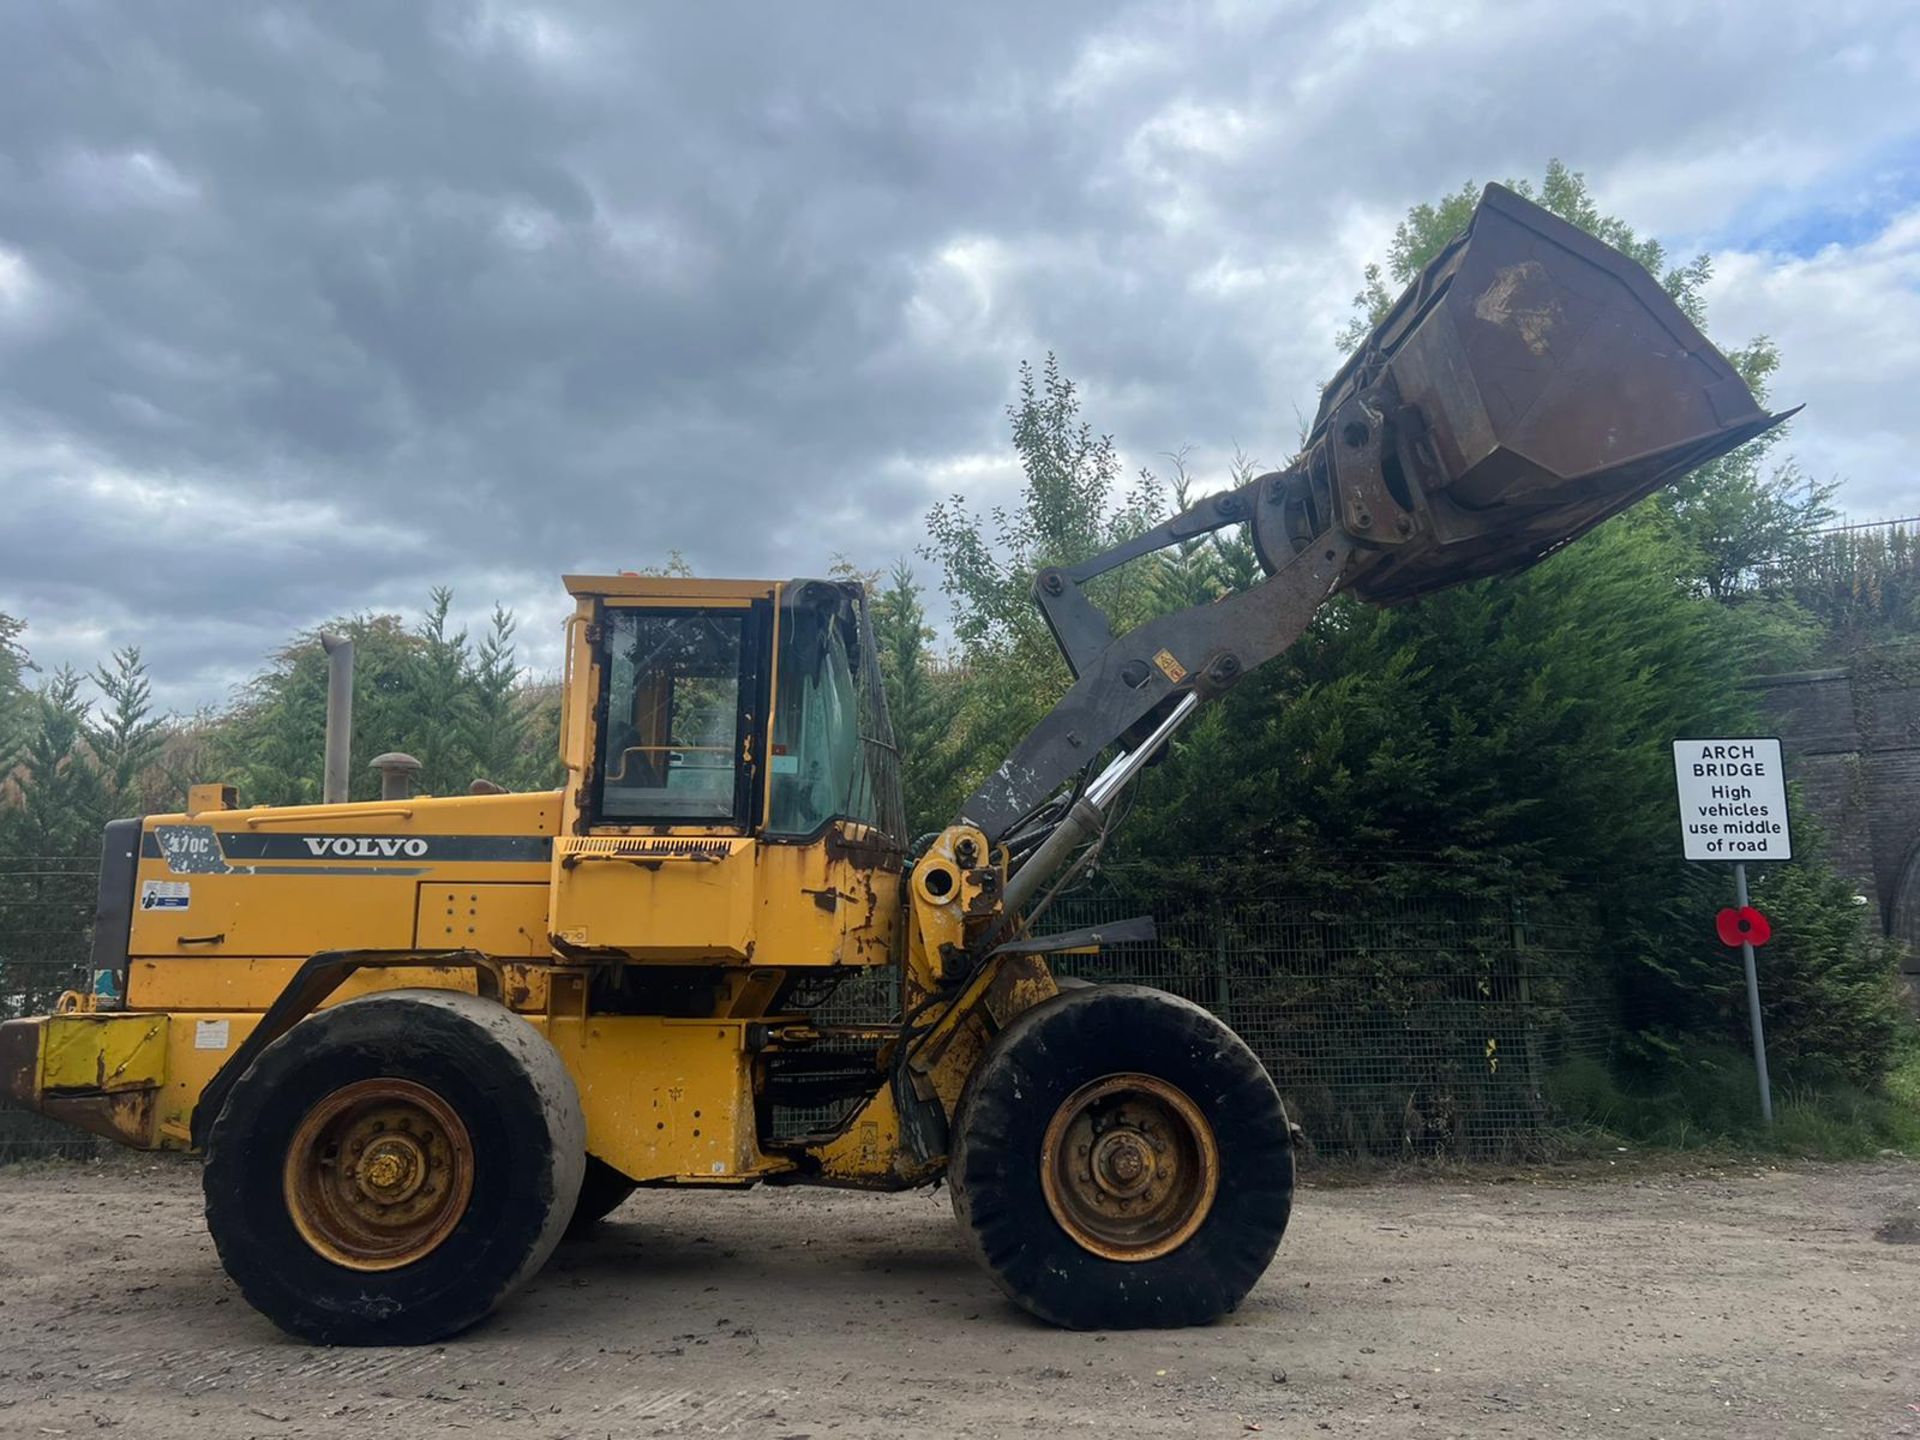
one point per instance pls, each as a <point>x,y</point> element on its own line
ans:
<point>1745,925</point>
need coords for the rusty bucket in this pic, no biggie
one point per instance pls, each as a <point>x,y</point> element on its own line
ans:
<point>1531,382</point>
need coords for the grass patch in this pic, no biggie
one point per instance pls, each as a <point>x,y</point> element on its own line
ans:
<point>1903,1081</point>
<point>1710,1099</point>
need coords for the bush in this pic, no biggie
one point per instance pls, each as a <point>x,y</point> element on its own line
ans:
<point>1709,1098</point>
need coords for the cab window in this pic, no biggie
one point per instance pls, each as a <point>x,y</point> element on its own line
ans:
<point>832,756</point>
<point>675,737</point>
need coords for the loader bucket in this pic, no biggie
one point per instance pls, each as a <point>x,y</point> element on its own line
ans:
<point>1531,382</point>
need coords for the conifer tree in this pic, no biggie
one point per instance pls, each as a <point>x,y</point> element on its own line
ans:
<point>126,735</point>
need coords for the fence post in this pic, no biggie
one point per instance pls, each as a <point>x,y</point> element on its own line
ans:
<point>1517,937</point>
<point>1536,1088</point>
<point>1222,992</point>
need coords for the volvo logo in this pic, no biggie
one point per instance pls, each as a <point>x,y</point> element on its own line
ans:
<point>365,847</point>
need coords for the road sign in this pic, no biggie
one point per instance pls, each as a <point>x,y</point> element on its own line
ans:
<point>1733,806</point>
<point>1733,800</point>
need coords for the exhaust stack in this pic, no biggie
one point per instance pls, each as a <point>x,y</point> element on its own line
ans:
<point>339,742</point>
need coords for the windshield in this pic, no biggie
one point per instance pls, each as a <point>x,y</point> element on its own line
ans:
<point>833,755</point>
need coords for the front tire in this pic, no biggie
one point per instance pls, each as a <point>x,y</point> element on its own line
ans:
<point>1122,1160</point>
<point>391,1169</point>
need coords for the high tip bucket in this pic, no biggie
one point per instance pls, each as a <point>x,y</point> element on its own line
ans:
<point>1531,382</point>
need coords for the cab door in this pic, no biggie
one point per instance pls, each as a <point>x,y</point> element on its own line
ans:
<point>667,744</point>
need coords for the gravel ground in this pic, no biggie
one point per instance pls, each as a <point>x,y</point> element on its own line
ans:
<point>1680,1302</point>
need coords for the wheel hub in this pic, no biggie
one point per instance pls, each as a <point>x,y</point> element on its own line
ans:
<point>1129,1167</point>
<point>1122,1164</point>
<point>378,1174</point>
<point>392,1169</point>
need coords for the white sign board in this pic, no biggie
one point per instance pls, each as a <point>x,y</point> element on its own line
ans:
<point>1733,800</point>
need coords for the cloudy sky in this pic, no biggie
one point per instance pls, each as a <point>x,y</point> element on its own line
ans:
<point>304,309</point>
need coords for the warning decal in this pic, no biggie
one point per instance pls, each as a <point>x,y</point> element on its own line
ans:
<point>165,894</point>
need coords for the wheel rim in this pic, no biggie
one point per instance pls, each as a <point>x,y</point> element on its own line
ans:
<point>378,1174</point>
<point>1129,1167</point>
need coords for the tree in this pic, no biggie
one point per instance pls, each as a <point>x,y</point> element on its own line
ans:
<point>439,675</point>
<point>429,691</point>
<point>51,810</point>
<point>127,737</point>
<point>271,742</point>
<point>497,721</point>
<point>921,700</point>
<point>1861,583</point>
<point>13,693</point>
<point>1071,506</point>
<point>1207,567</point>
<point>62,800</point>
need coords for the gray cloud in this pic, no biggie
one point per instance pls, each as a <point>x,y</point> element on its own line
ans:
<point>304,309</point>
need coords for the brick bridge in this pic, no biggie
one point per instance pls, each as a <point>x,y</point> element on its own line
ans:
<point>1852,740</point>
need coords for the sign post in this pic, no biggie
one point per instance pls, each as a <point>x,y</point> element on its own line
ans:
<point>1733,806</point>
<point>1753,999</point>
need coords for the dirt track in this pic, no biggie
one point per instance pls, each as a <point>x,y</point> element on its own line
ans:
<point>1742,1302</point>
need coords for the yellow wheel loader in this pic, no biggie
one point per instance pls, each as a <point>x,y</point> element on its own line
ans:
<point>416,1039</point>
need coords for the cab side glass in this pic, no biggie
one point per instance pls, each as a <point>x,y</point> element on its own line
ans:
<point>670,744</point>
<point>818,766</point>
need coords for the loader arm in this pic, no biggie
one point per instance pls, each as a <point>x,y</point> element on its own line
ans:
<point>1142,674</point>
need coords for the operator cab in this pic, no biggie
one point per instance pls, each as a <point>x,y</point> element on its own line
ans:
<point>734,707</point>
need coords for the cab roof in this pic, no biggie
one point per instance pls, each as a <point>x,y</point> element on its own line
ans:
<point>669,587</point>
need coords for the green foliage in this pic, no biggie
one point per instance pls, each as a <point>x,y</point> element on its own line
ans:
<point>1903,1079</point>
<point>53,801</point>
<point>60,796</point>
<point>428,691</point>
<point>921,700</point>
<point>1493,723</point>
<point>13,693</point>
<point>1071,506</point>
<point>127,736</point>
<point>501,726</point>
<point>1863,585</point>
<point>1831,980</point>
<point>1708,1098</point>
<point>1205,568</point>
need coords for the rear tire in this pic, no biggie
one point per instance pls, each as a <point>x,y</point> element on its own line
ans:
<point>391,1169</point>
<point>1122,1160</point>
<point>602,1191</point>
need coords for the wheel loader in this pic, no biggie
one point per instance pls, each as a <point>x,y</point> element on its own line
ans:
<point>416,1039</point>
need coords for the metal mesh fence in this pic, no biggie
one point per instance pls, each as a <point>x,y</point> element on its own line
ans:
<point>46,917</point>
<point>1415,1027</point>
<point>1407,1028</point>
